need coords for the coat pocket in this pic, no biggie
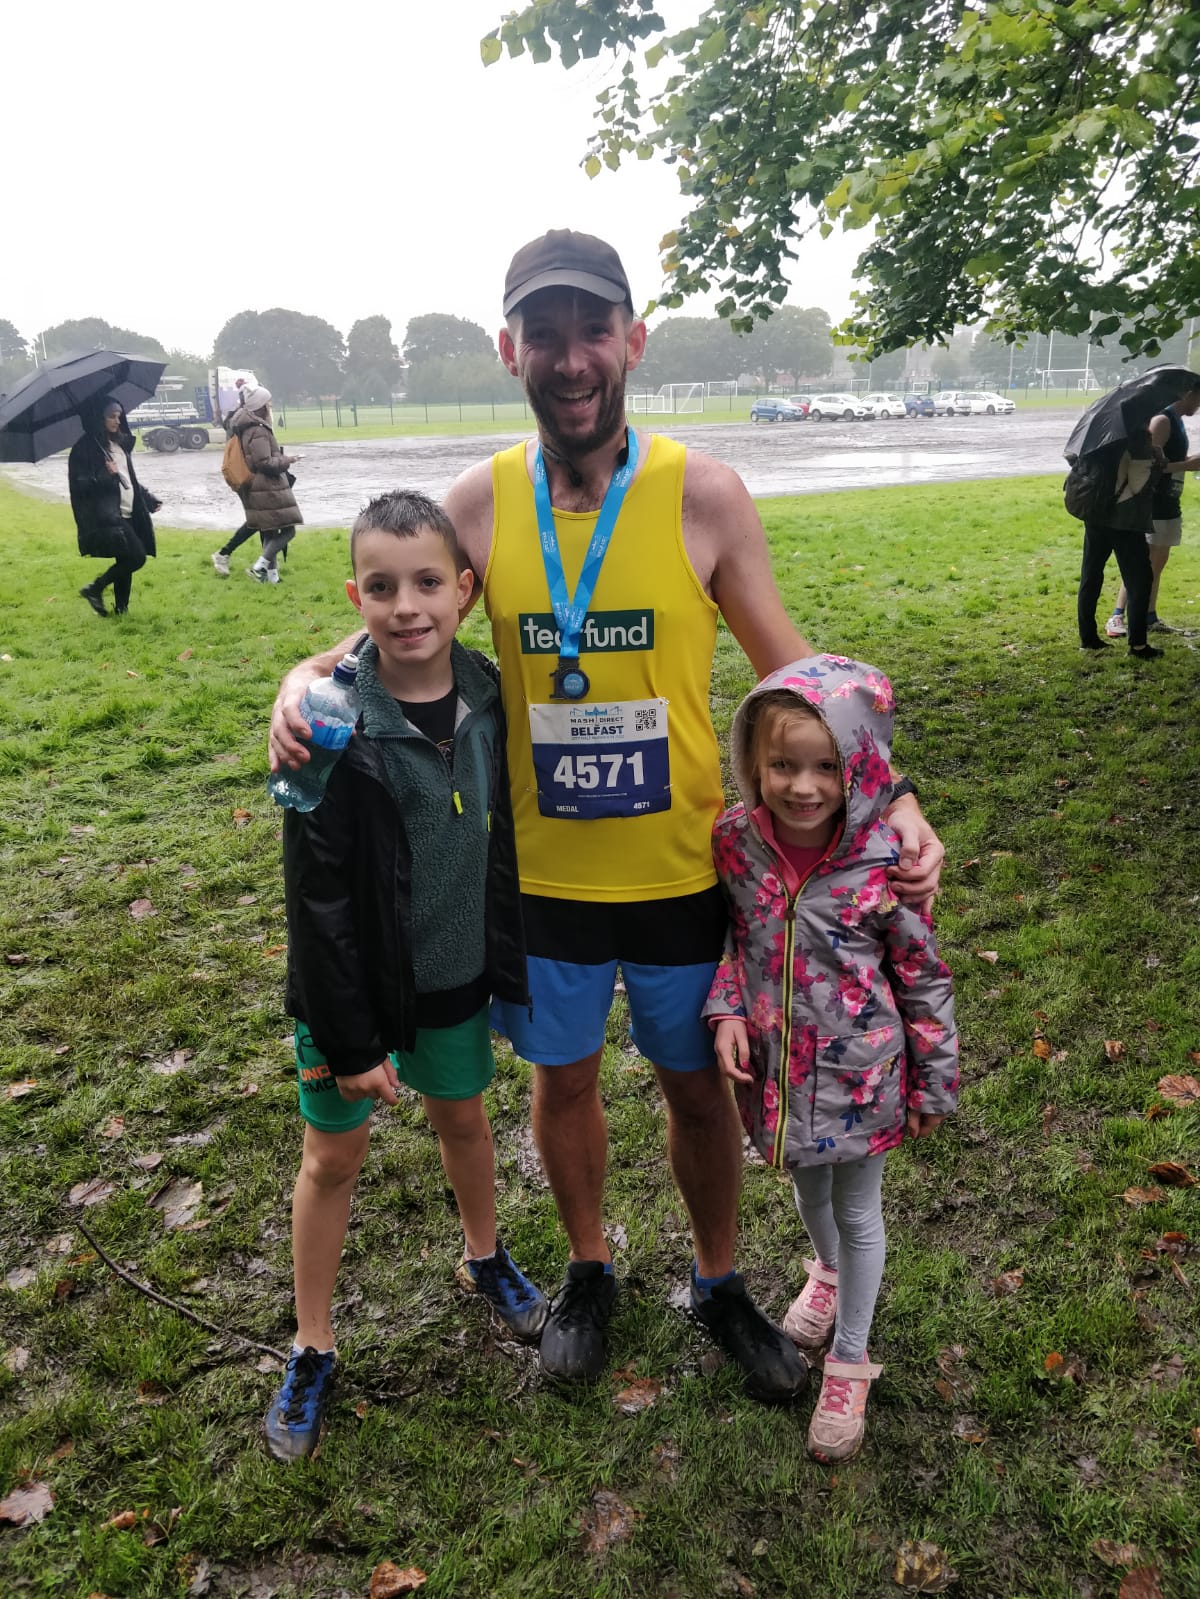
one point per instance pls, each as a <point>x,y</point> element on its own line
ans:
<point>858,1101</point>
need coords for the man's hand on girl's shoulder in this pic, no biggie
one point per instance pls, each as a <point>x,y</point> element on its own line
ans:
<point>915,880</point>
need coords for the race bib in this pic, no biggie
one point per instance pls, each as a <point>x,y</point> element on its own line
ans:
<point>601,760</point>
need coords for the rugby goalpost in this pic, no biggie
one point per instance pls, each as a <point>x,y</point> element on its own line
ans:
<point>672,399</point>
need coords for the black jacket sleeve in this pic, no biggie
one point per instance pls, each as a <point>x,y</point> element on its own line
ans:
<point>327,984</point>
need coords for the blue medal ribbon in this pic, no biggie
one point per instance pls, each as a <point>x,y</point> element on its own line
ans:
<point>570,613</point>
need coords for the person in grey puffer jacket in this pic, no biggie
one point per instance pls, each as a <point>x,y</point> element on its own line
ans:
<point>833,1013</point>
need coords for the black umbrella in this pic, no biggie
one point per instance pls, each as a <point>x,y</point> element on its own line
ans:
<point>1129,408</point>
<point>41,415</point>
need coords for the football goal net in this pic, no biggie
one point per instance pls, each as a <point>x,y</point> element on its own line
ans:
<point>673,399</point>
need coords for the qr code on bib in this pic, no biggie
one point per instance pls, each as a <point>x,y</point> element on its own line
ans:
<point>645,718</point>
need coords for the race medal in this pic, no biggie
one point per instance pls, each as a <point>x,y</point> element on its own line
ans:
<point>569,681</point>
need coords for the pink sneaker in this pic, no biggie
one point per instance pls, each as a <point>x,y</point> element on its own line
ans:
<point>810,1317</point>
<point>839,1421</point>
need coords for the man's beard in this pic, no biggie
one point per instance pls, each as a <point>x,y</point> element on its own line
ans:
<point>609,421</point>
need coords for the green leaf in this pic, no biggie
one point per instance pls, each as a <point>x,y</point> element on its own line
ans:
<point>490,49</point>
<point>592,166</point>
<point>713,47</point>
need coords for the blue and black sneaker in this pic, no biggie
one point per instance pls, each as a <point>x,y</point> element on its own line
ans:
<point>297,1412</point>
<point>519,1305</point>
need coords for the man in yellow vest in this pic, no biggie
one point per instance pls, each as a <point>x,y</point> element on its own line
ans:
<point>606,558</point>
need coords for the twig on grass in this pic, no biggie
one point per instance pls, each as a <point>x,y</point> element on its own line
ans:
<point>171,1304</point>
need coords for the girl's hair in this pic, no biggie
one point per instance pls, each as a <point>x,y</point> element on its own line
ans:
<point>765,714</point>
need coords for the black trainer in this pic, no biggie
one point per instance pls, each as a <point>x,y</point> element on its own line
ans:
<point>572,1347</point>
<point>773,1366</point>
<point>1146,652</point>
<point>293,1424</point>
<point>95,599</point>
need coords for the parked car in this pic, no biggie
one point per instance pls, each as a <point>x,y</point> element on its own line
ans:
<point>885,405</point>
<point>919,405</point>
<point>989,404</point>
<point>775,411</point>
<point>837,407</point>
<point>945,403</point>
<point>800,401</point>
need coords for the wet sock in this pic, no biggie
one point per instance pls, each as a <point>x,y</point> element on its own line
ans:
<point>705,1285</point>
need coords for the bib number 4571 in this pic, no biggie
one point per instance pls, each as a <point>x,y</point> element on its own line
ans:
<point>600,771</point>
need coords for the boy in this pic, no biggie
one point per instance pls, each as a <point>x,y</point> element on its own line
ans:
<point>403,919</point>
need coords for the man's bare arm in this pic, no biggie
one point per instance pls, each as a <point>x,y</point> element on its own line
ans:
<point>469,505</point>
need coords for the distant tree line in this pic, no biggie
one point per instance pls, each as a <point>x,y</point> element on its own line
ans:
<point>445,358</point>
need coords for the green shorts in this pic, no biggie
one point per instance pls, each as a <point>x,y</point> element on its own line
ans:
<point>446,1063</point>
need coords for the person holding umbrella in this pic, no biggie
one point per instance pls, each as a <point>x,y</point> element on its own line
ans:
<point>1111,443</point>
<point>270,506</point>
<point>112,510</point>
<point>1168,433</point>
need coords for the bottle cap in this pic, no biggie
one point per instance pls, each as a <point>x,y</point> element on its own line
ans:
<point>346,670</point>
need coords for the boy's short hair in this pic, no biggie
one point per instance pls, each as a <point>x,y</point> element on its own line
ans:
<point>406,512</point>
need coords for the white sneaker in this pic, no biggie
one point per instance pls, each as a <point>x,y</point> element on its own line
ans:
<point>1115,626</point>
<point>811,1316</point>
<point>258,573</point>
<point>839,1419</point>
<point>221,562</point>
<point>272,574</point>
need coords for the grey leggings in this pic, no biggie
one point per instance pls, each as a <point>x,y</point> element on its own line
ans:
<point>273,543</point>
<point>842,1208</point>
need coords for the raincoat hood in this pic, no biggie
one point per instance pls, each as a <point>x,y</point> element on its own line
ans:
<point>856,704</point>
<point>91,414</point>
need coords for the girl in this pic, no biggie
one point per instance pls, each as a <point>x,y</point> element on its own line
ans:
<point>268,504</point>
<point>832,1012</point>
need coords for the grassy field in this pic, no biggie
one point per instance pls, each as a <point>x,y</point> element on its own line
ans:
<point>307,424</point>
<point>1039,1415</point>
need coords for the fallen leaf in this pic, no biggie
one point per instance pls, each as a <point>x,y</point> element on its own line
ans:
<point>268,1363</point>
<point>1114,1049</point>
<point>638,1396</point>
<point>201,1576</point>
<point>247,899</point>
<point>150,1392</point>
<point>361,1409</point>
<point>155,1532</point>
<point>240,818</point>
<point>993,956</point>
<point>129,672</point>
<point>19,1090</point>
<point>945,1390</point>
<point>609,1521</point>
<point>172,1063</point>
<point>86,1259</point>
<point>1157,1111</point>
<point>32,1503</point>
<point>968,1431</point>
<point>1137,1197</point>
<point>92,1192</point>
<point>273,950</point>
<point>1053,1362</point>
<point>1007,1283</point>
<point>140,909</point>
<point>20,1277</point>
<point>1172,1244</point>
<point>16,1359</point>
<point>148,1162</point>
<point>1173,1174</point>
<point>248,1090</point>
<point>388,1580</point>
<point>122,1521</point>
<point>923,1566</point>
<point>1114,1554</point>
<point>79,828</point>
<point>178,1201</point>
<point>1180,1090</point>
<point>16,959</point>
<point>114,1127</point>
<point>184,655</point>
<point>63,1289</point>
<point>1168,1373</point>
<point>1049,1112</point>
<point>1143,1582</point>
<point>1041,1046</point>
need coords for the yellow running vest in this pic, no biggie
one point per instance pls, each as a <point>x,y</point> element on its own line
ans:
<point>650,635</point>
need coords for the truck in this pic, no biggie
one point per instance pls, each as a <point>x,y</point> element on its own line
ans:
<point>168,422</point>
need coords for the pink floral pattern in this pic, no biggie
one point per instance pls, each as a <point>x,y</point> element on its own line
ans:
<point>870,1029</point>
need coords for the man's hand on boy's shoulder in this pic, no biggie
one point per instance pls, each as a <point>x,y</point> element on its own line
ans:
<point>380,1082</point>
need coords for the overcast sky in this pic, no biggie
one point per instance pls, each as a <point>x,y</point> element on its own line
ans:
<point>168,166</point>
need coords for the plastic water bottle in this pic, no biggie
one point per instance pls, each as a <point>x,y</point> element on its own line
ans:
<point>330,707</point>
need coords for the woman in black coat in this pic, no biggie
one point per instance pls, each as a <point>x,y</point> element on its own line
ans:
<point>112,509</point>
